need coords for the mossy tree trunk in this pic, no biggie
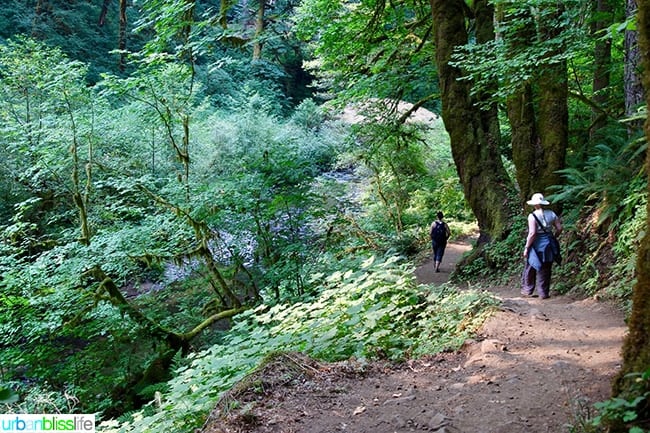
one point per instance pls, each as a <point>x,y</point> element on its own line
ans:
<point>603,11</point>
<point>125,394</point>
<point>636,349</point>
<point>474,140</point>
<point>520,108</point>
<point>633,87</point>
<point>526,146</point>
<point>553,127</point>
<point>538,112</point>
<point>483,14</point>
<point>553,116</point>
<point>259,30</point>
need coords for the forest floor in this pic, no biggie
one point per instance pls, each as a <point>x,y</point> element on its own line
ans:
<point>537,366</point>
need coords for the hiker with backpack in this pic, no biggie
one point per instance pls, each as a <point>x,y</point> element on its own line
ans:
<point>541,248</point>
<point>439,234</point>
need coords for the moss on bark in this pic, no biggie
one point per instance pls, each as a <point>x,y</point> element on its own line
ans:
<point>636,348</point>
<point>473,133</point>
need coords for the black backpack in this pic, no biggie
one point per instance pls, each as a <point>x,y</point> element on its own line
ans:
<point>438,233</point>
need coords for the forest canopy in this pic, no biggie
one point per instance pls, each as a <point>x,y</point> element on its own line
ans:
<point>189,187</point>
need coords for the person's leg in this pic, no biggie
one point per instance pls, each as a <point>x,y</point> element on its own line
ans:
<point>528,278</point>
<point>437,257</point>
<point>544,280</point>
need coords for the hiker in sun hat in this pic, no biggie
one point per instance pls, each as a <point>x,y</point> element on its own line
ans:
<point>539,250</point>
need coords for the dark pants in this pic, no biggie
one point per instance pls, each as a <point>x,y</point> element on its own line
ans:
<point>532,279</point>
<point>438,250</point>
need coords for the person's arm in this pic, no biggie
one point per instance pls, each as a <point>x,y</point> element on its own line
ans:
<point>532,231</point>
<point>558,225</point>
<point>447,230</point>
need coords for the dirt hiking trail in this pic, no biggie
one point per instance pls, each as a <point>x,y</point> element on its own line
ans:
<point>536,367</point>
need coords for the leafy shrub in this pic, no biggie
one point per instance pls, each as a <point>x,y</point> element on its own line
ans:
<point>628,237</point>
<point>499,260</point>
<point>42,399</point>
<point>373,310</point>
<point>626,412</point>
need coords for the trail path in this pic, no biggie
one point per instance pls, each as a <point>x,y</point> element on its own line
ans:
<point>425,272</point>
<point>535,366</point>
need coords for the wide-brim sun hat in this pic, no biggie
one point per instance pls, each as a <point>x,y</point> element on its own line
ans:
<point>537,198</point>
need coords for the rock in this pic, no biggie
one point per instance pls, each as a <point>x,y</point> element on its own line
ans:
<point>491,346</point>
<point>535,314</point>
<point>510,427</point>
<point>438,421</point>
<point>400,400</point>
<point>398,421</point>
<point>448,429</point>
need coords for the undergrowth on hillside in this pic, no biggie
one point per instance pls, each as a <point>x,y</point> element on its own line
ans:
<point>498,261</point>
<point>372,311</point>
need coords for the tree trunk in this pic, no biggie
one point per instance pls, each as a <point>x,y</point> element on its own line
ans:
<point>483,12</point>
<point>602,63</point>
<point>121,43</point>
<point>538,118</point>
<point>553,125</point>
<point>526,147</point>
<point>224,7</point>
<point>553,117</point>
<point>636,349</point>
<point>632,81</point>
<point>520,108</point>
<point>259,30</point>
<point>186,34</point>
<point>104,13</point>
<point>474,147</point>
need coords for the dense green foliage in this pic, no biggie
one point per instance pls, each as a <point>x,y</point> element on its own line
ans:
<point>624,411</point>
<point>74,27</point>
<point>173,213</point>
<point>373,310</point>
<point>191,208</point>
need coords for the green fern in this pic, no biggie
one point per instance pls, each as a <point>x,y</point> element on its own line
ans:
<point>613,172</point>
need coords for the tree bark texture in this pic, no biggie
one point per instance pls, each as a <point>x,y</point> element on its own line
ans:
<point>474,147</point>
<point>104,13</point>
<point>526,146</point>
<point>539,115</point>
<point>636,348</point>
<point>553,117</point>
<point>259,30</point>
<point>553,125</point>
<point>632,81</point>
<point>520,108</point>
<point>483,12</point>
<point>602,63</point>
